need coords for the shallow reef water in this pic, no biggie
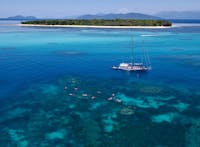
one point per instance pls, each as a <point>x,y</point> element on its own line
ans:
<point>57,87</point>
<point>72,111</point>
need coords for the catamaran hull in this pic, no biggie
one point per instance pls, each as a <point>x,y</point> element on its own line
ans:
<point>132,69</point>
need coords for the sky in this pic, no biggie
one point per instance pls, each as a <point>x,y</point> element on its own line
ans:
<point>70,8</point>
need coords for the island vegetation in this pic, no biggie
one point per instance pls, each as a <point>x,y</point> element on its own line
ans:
<point>101,22</point>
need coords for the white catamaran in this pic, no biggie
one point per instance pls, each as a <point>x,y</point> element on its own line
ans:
<point>144,65</point>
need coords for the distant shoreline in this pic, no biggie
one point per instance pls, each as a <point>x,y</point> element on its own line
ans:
<point>91,26</point>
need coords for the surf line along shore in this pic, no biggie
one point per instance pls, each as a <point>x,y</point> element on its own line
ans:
<point>91,26</point>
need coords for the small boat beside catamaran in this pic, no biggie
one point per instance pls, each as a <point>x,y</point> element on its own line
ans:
<point>143,66</point>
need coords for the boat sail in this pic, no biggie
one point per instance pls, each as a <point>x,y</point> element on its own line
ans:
<point>144,65</point>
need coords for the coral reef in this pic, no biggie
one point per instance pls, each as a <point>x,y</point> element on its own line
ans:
<point>71,111</point>
<point>193,133</point>
<point>168,117</point>
<point>127,111</point>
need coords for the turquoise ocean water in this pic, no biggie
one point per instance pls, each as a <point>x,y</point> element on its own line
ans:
<point>57,87</point>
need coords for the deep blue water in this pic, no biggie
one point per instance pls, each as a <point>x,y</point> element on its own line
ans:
<point>185,20</point>
<point>37,63</point>
<point>31,54</point>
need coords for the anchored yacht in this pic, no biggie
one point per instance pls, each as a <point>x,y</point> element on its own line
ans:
<point>143,66</point>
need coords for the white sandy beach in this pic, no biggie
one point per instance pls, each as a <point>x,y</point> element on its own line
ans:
<point>103,27</point>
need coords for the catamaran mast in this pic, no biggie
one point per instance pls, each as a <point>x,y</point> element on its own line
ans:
<point>142,66</point>
<point>132,46</point>
<point>146,58</point>
<point>143,54</point>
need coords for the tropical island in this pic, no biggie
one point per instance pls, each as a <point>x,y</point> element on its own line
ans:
<point>99,23</point>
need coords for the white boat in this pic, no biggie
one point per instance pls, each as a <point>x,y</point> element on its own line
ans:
<point>143,66</point>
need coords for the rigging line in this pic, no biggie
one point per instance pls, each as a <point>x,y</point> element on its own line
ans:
<point>132,53</point>
<point>143,54</point>
<point>148,59</point>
